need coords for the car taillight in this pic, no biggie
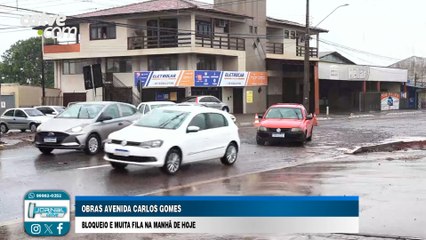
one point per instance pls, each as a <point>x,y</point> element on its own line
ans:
<point>196,100</point>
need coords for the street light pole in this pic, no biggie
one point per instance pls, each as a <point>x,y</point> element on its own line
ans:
<point>306,75</point>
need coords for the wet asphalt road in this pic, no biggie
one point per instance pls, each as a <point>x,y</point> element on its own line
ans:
<point>23,169</point>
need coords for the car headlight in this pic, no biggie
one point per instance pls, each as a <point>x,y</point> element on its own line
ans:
<point>262,129</point>
<point>152,144</point>
<point>76,129</point>
<point>38,128</point>
<point>296,130</point>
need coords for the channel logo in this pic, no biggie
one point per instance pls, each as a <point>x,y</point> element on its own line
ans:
<point>46,213</point>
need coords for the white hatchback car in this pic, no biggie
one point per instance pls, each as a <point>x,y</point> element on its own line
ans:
<point>171,136</point>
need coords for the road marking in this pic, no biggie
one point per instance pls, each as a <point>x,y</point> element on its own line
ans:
<point>93,167</point>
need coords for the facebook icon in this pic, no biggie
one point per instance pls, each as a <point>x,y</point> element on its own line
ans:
<point>59,228</point>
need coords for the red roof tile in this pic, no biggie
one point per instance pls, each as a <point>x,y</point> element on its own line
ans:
<point>157,6</point>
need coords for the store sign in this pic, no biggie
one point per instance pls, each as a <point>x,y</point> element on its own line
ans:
<point>189,78</point>
<point>358,73</point>
<point>207,78</point>
<point>390,101</point>
<point>249,96</point>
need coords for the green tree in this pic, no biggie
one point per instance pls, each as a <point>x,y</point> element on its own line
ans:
<point>21,64</point>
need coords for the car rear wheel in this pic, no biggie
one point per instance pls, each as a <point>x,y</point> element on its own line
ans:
<point>45,150</point>
<point>4,128</point>
<point>226,109</point>
<point>23,130</point>
<point>173,162</point>
<point>93,144</point>
<point>310,137</point>
<point>33,127</point>
<point>118,166</point>
<point>231,155</point>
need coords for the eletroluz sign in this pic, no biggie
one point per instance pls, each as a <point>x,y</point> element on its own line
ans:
<point>56,25</point>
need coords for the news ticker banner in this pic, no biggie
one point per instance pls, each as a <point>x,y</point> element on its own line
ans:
<point>217,215</point>
<point>47,213</point>
<point>190,78</point>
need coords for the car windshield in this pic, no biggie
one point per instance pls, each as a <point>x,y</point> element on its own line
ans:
<point>59,109</point>
<point>82,111</point>
<point>163,119</point>
<point>284,113</point>
<point>189,99</point>
<point>33,112</point>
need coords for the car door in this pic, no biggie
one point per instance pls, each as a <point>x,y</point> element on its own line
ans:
<point>109,126</point>
<point>8,118</point>
<point>218,133</point>
<point>20,120</point>
<point>195,144</point>
<point>308,123</point>
<point>128,114</point>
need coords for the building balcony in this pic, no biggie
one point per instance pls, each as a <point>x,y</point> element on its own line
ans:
<point>313,52</point>
<point>185,40</point>
<point>61,47</point>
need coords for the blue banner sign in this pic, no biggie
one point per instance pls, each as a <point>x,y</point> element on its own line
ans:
<point>207,78</point>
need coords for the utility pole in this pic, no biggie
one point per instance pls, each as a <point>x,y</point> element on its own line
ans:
<point>43,90</point>
<point>306,76</point>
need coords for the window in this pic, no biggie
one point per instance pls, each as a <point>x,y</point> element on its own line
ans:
<point>102,31</point>
<point>20,113</point>
<point>119,65</point>
<point>163,119</point>
<point>71,67</point>
<point>146,110</point>
<point>112,111</point>
<point>9,113</point>
<point>293,34</point>
<point>141,107</point>
<point>251,29</point>
<point>45,110</point>
<point>162,63</point>
<point>286,34</point>
<point>216,120</point>
<point>206,62</point>
<point>199,121</point>
<point>33,112</point>
<point>255,30</point>
<point>205,100</point>
<point>82,111</point>
<point>127,110</point>
<point>284,113</point>
<point>204,28</point>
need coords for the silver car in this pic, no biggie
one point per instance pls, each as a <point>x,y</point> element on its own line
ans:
<point>84,126</point>
<point>22,119</point>
<point>208,101</point>
<point>50,111</point>
<point>146,107</point>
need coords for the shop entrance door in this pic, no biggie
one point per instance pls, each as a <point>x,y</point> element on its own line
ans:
<point>238,100</point>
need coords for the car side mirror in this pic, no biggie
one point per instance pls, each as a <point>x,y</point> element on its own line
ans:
<point>103,118</point>
<point>260,116</point>
<point>192,129</point>
<point>310,117</point>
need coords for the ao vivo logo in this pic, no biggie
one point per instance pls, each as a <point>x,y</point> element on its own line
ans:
<point>56,25</point>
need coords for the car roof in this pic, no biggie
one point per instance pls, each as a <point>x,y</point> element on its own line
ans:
<point>157,102</point>
<point>49,106</point>
<point>193,109</point>
<point>102,103</point>
<point>291,105</point>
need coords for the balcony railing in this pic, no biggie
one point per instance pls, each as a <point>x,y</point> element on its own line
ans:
<point>221,42</point>
<point>275,48</point>
<point>300,51</point>
<point>184,40</point>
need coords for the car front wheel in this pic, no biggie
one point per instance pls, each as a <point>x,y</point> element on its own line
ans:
<point>45,150</point>
<point>173,162</point>
<point>3,128</point>
<point>33,127</point>
<point>118,166</point>
<point>93,144</point>
<point>260,141</point>
<point>231,155</point>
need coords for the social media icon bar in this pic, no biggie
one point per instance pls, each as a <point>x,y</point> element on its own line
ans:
<point>47,213</point>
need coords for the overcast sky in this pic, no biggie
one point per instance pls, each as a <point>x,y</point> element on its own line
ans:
<point>388,29</point>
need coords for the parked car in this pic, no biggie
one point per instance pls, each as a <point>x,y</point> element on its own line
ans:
<point>50,111</point>
<point>21,118</point>
<point>146,107</point>
<point>285,122</point>
<point>84,126</point>
<point>208,101</point>
<point>171,136</point>
<point>234,119</point>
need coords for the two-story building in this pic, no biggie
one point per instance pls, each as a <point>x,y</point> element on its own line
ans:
<point>259,59</point>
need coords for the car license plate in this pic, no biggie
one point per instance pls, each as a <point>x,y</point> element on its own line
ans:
<point>278,135</point>
<point>121,152</point>
<point>50,140</point>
